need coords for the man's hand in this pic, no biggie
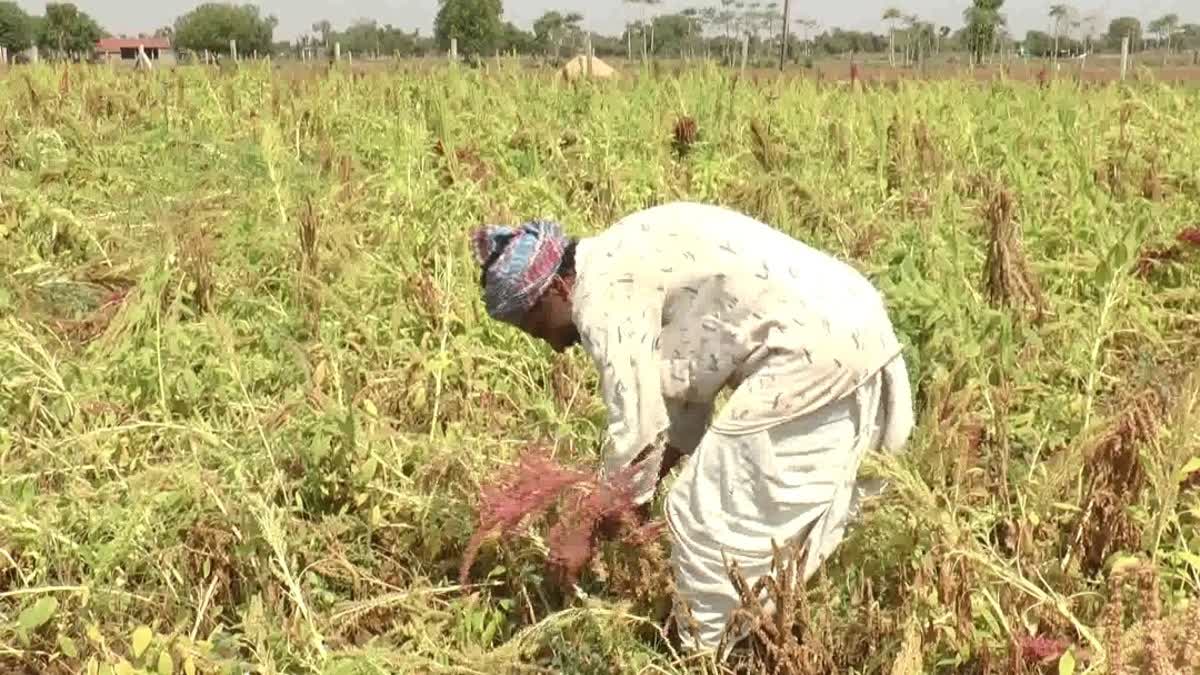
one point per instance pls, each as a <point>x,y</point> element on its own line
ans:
<point>610,526</point>
<point>670,458</point>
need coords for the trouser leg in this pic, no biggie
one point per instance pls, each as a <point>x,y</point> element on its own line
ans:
<point>737,494</point>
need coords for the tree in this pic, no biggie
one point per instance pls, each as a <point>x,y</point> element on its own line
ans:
<point>806,26</point>
<point>1039,43</point>
<point>892,15</point>
<point>553,28</point>
<point>673,32</point>
<point>1091,26</point>
<point>1164,28</point>
<point>212,25</point>
<point>474,24</point>
<point>1124,27</point>
<point>1059,14</point>
<point>646,5</point>
<point>984,21</point>
<point>513,38</point>
<point>16,27</point>
<point>1189,36</point>
<point>66,31</point>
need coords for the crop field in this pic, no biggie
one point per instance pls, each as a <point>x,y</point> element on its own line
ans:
<point>249,396</point>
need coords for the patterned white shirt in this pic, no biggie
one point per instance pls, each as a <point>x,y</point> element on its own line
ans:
<point>677,302</point>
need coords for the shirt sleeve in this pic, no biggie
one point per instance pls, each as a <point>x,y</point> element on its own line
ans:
<point>620,333</point>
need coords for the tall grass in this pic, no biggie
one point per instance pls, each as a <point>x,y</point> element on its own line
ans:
<point>248,395</point>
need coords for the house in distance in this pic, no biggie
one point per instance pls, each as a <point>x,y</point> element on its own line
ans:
<point>125,50</point>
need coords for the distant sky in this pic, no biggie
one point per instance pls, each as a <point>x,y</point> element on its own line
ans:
<point>605,16</point>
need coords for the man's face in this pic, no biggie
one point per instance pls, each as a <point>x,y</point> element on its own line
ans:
<point>550,319</point>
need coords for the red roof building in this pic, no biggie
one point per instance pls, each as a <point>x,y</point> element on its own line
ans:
<point>126,49</point>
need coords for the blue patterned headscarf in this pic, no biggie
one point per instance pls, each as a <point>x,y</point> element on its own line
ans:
<point>518,265</point>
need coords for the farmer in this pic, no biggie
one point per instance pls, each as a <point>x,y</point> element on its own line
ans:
<point>676,303</point>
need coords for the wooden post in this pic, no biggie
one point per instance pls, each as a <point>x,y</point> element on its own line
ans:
<point>3,56</point>
<point>783,48</point>
<point>34,57</point>
<point>453,49</point>
<point>233,50</point>
<point>745,52</point>
<point>1124,56</point>
<point>587,48</point>
<point>337,51</point>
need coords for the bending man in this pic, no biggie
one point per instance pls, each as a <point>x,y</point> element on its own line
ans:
<point>675,304</point>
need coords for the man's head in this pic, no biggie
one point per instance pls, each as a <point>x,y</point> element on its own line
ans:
<point>528,277</point>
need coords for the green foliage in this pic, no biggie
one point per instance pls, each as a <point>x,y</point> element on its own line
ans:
<point>16,27</point>
<point>983,19</point>
<point>210,26</point>
<point>475,24</point>
<point>1125,27</point>
<point>367,37</point>
<point>552,29</point>
<point>513,38</point>
<point>675,33</point>
<point>67,31</point>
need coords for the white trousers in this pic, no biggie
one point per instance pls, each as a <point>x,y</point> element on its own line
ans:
<point>737,493</point>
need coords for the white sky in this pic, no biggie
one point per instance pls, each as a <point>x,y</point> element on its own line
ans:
<point>607,16</point>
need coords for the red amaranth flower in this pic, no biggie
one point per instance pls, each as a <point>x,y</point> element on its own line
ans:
<point>534,486</point>
<point>1041,649</point>
<point>530,488</point>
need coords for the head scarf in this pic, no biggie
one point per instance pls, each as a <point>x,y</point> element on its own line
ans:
<point>518,265</point>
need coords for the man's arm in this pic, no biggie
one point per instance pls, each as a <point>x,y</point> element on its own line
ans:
<point>622,344</point>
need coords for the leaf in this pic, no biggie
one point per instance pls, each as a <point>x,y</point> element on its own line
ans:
<point>189,666</point>
<point>67,646</point>
<point>1189,558</point>
<point>124,668</point>
<point>38,613</point>
<point>1121,561</point>
<point>1066,664</point>
<point>141,639</point>
<point>1190,468</point>
<point>166,665</point>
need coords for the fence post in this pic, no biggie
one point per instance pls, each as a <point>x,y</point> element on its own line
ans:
<point>783,47</point>
<point>453,49</point>
<point>337,51</point>
<point>1124,56</point>
<point>745,52</point>
<point>233,50</point>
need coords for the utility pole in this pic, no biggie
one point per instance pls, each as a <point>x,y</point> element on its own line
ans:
<point>787,5</point>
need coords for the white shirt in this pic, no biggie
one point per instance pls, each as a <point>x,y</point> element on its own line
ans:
<point>678,301</point>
